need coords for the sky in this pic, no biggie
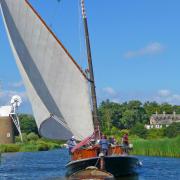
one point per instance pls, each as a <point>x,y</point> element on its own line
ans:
<point>135,48</point>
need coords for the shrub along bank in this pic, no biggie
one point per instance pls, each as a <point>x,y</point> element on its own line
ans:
<point>31,142</point>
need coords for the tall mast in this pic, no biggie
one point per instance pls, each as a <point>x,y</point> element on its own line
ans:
<point>91,73</point>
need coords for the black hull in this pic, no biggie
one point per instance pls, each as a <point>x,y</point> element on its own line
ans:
<point>116,165</point>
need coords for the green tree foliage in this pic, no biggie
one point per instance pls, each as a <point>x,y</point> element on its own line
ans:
<point>165,107</point>
<point>176,109</point>
<point>151,108</point>
<point>32,137</point>
<point>122,116</point>
<point>109,115</point>
<point>173,130</point>
<point>155,133</point>
<point>28,124</point>
<point>134,115</point>
<point>139,130</point>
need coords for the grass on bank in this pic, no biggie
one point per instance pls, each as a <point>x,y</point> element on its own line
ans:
<point>31,143</point>
<point>157,147</point>
<point>166,147</point>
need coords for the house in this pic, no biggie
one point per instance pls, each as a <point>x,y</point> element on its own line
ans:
<point>160,120</point>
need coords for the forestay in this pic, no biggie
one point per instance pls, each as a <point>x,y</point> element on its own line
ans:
<point>56,86</point>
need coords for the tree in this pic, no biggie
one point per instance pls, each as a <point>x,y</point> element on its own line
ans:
<point>109,114</point>
<point>167,108</point>
<point>139,130</point>
<point>155,133</point>
<point>28,124</point>
<point>176,109</point>
<point>129,114</point>
<point>128,119</point>
<point>173,130</point>
<point>134,104</point>
<point>151,108</point>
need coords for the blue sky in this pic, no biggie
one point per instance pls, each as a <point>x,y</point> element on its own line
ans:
<point>135,48</point>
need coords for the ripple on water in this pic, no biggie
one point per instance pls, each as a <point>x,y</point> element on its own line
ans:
<point>50,165</point>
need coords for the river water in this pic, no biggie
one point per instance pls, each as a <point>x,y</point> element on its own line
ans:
<point>50,165</point>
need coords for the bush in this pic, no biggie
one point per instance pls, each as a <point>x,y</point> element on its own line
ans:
<point>24,137</point>
<point>32,136</point>
<point>139,130</point>
<point>53,141</point>
<point>42,146</point>
<point>18,139</point>
<point>155,133</point>
<point>173,130</point>
<point>53,145</point>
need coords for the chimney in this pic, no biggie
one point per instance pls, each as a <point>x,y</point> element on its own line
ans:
<point>174,114</point>
<point>164,113</point>
<point>156,113</point>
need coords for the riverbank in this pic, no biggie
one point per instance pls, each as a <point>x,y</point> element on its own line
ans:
<point>166,147</point>
<point>29,147</point>
<point>31,143</point>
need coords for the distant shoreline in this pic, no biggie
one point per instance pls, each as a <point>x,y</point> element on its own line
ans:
<point>32,146</point>
<point>156,147</point>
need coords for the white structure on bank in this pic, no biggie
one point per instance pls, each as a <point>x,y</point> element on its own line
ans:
<point>162,120</point>
<point>8,116</point>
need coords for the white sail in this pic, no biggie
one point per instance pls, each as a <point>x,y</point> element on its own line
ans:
<point>56,86</point>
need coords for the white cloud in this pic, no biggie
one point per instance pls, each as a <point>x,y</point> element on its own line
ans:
<point>164,93</point>
<point>150,49</point>
<point>167,96</point>
<point>16,84</point>
<point>176,97</point>
<point>110,91</point>
<point>160,96</point>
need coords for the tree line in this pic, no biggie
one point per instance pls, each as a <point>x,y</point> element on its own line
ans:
<point>116,118</point>
<point>133,115</point>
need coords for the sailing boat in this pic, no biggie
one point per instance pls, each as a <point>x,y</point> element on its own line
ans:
<point>57,87</point>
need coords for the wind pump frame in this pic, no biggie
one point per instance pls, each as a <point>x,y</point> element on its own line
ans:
<point>15,103</point>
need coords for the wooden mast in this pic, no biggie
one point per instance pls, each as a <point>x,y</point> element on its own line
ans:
<point>91,73</point>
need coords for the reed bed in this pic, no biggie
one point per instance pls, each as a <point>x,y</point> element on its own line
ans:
<point>157,147</point>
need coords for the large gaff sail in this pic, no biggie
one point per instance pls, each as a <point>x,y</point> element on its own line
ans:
<point>56,86</point>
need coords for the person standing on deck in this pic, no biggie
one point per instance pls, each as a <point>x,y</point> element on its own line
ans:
<point>125,142</point>
<point>71,143</point>
<point>104,145</point>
